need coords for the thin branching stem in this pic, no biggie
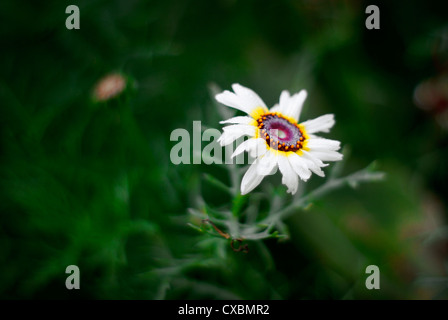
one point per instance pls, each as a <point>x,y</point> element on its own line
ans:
<point>267,227</point>
<point>332,184</point>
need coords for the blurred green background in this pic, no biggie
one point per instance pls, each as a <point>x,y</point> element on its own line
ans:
<point>91,183</point>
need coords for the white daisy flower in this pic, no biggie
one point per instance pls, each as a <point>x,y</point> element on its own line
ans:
<point>276,138</point>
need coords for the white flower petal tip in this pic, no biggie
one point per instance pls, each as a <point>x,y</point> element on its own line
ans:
<point>291,106</point>
<point>238,120</point>
<point>327,155</point>
<point>235,131</point>
<point>289,178</point>
<point>255,147</point>
<point>292,147</point>
<point>243,99</point>
<point>251,179</point>
<point>321,124</point>
<point>324,144</point>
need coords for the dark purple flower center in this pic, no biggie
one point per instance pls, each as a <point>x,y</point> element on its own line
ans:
<point>280,133</point>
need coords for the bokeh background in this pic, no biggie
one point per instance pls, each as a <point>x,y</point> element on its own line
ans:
<point>90,183</point>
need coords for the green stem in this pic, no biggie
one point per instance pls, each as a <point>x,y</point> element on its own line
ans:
<point>330,185</point>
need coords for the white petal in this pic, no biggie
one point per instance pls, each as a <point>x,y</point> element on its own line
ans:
<point>320,124</point>
<point>300,166</point>
<point>241,128</point>
<point>291,106</point>
<point>259,149</point>
<point>314,164</point>
<point>290,178</point>
<point>268,163</point>
<point>256,147</point>
<point>243,99</point>
<point>242,147</point>
<point>251,179</point>
<point>284,100</point>
<point>326,155</point>
<point>275,108</point>
<point>251,98</point>
<point>313,159</point>
<point>321,144</point>
<point>239,120</point>
<point>226,138</point>
<point>232,100</point>
<point>233,132</point>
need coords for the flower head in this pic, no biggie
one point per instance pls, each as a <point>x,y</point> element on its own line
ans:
<point>109,87</point>
<point>276,138</point>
